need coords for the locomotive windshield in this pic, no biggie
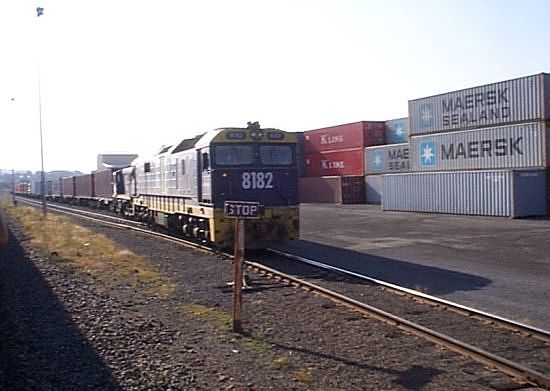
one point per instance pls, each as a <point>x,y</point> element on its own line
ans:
<point>234,155</point>
<point>244,155</point>
<point>275,155</point>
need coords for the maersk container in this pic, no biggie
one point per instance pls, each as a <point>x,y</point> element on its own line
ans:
<point>387,158</point>
<point>511,146</point>
<point>512,193</point>
<point>349,162</point>
<point>354,135</point>
<point>526,99</point>
<point>397,131</point>
<point>373,189</point>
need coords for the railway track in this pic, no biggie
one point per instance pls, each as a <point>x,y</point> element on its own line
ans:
<point>483,316</point>
<point>523,374</point>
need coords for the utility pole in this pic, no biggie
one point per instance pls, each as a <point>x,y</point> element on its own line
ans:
<point>39,12</point>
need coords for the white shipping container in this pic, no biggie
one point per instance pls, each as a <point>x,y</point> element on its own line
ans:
<point>512,101</point>
<point>512,146</point>
<point>387,158</point>
<point>512,193</point>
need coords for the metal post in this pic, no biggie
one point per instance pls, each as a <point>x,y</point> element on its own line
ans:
<point>238,278</point>
<point>13,187</point>
<point>43,176</point>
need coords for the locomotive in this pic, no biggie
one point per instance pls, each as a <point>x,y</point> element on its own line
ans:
<point>184,186</point>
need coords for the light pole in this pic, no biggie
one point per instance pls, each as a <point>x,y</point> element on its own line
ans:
<point>40,11</point>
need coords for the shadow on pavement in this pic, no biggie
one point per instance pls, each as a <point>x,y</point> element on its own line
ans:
<point>428,279</point>
<point>40,346</point>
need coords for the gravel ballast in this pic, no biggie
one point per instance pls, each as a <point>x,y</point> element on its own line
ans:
<point>62,328</point>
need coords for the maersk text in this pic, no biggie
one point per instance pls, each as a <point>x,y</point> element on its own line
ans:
<point>482,148</point>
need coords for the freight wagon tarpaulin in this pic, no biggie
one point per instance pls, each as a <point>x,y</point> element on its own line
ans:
<point>512,101</point>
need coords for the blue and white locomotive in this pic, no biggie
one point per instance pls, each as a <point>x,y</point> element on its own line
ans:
<point>184,186</point>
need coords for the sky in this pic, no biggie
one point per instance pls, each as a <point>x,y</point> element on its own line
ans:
<point>129,76</point>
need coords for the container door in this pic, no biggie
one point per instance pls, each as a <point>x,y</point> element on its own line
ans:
<point>529,193</point>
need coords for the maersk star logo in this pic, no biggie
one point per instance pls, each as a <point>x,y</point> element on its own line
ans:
<point>377,161</point>
<point>427,153</point>
<point>426,115</point>
<point>399,132</point>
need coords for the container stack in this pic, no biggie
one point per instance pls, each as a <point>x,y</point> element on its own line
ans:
<point>334,166</point>
<point>482,150</point>
<point>384,159</point>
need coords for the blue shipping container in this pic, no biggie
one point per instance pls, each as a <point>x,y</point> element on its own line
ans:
<point>397,131</point>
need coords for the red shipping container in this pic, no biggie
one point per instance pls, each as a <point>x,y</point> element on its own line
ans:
<point>355,135</point>
<point>67,186</point>
<point>84,186</point>
<point>349,162</point>
<point>103,183</point>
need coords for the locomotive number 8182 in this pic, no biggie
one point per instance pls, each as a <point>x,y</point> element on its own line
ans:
<point>184,186</point>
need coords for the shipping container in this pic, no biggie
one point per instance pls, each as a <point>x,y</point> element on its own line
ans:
<point>387,158</point>
<point>354,135</point>
<point>335,163</point>
<point>84,186</point>
<point>103,184</point>
<point>55,187</point>
<point>68,187</point>
<point>36,187</point>
<point>511,146</point>
<point>526,99</point>
<point>397,131</point>
<point>373,189</point>
<point>332,189</point>
<point>23,188</point>
<point>512,193</point>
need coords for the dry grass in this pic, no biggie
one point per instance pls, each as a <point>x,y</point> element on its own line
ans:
<point>59,239</point>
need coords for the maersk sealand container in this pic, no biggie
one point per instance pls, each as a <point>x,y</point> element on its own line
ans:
<point>511,146</point>
<point>511,193</point>
<point>526,99</point>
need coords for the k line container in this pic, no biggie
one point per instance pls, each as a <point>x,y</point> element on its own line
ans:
<point>512,193</point>
<point>526,99</point>
<point>335,163</point>
<point>387,158</point>
<point>354,135</point>
<point>397,131</point>
<point>511,146</point>
<point>373,189</point>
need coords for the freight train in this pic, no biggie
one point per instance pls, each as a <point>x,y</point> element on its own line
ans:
<point>184,186</point>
